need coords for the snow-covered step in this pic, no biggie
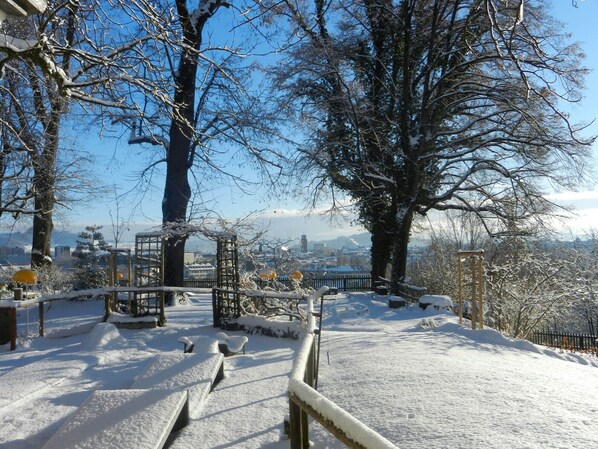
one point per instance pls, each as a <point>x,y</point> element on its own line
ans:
<point>117,419</point>
<point>196,372</point>
<point>26,381</point>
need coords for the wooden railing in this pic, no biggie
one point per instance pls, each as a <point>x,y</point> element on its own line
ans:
<point>305,401</point>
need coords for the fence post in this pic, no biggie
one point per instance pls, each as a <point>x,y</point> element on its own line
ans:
<point>41,318</point>
<point>295,433</point>
<point>215,309</point>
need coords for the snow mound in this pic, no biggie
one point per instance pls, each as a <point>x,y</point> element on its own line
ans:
<point>438,302</point>
<point>428,323</point>
<point>104,336</point>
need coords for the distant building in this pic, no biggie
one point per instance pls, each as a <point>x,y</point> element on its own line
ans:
<point>199,271</point>
<point>62,251</point>
<point>319,246</point>
<point>11,251</point>
<point>13,255</point>
<point>189,258</point>
<point>304,243</point>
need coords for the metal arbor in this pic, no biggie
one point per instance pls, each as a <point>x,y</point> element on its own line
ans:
<point>149,272</point>
<point>225,300</point>
<point>477,286</point>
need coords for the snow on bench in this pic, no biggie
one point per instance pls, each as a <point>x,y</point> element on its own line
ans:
<point>199,343</point>
<point>231,344</point>
<point>119,419</point>
<point>221,342</point>
<point>198,373</point>
<point>438,302</point>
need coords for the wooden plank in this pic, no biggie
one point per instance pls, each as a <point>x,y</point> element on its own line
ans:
<point>117,419</point>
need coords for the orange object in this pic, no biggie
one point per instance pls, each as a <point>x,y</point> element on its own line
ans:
<point>25,277</point>
<point>296,275</point>
<point>267,274</point>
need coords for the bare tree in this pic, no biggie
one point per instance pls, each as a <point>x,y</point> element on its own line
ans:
<point>200,117</point>
<point>47,62</point>
<point>436,104</point>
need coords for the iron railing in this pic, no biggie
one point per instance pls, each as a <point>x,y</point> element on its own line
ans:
<point>565,340</point>
<point>348,283</point>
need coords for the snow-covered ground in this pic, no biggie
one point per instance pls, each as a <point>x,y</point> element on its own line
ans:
<point>418,378</point>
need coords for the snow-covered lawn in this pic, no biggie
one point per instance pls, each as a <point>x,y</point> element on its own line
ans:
<point>417,377</point>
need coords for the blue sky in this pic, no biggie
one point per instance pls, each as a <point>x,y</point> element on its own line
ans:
<point>285,216</point>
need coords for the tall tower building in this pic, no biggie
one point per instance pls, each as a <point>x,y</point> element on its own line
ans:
<point>303,243</point>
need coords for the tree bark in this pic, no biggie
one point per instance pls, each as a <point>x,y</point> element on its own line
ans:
<point>44,187</point>
<point>380,251</point>
<point>177,190</point>
<point>399,251</point>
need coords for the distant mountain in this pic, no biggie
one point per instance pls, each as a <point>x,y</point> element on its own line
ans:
<point>23,238</point>
<point>363,239</point>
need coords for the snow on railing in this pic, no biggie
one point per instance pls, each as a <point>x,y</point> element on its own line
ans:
<point>305,400</point>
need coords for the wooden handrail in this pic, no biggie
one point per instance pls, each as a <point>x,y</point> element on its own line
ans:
<point>304,400</point>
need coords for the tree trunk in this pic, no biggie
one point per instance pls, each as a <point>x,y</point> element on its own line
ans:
<point>43,187</point>
<point>380,252</point>
<point>177,191</point>
<point>43,226</point>
<point>399,251</point>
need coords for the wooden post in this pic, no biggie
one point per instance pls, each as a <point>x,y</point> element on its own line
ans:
<point>477,286</point>
<point>481,289</point>
<point>474,296</point>
<point>460,292</point>
<point>295,433</point>
<point>41,318</point>
<point>162,320</point>
<point>107,309</point>
<point>12,327</point>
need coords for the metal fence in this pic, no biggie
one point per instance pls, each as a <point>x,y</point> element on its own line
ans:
<point>579,342</point>
<point>349,283</point>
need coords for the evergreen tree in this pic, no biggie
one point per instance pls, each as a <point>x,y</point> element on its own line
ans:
<point>91,249</point>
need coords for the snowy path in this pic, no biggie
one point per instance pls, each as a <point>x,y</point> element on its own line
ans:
<point>246,410</point>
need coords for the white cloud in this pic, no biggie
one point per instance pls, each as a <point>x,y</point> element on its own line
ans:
<point>573,196</point>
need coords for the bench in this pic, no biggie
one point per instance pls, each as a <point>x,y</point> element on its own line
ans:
<point>119,419</point>
<point>231,344</point>
<point>221,342</point>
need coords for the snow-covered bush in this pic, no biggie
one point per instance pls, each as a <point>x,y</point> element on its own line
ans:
<point>270,306</point>
<point>52,279</point>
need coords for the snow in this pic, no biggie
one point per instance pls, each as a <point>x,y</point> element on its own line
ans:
<point>439,302</point>
<point>416,377</point>
<point>120,419</point>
